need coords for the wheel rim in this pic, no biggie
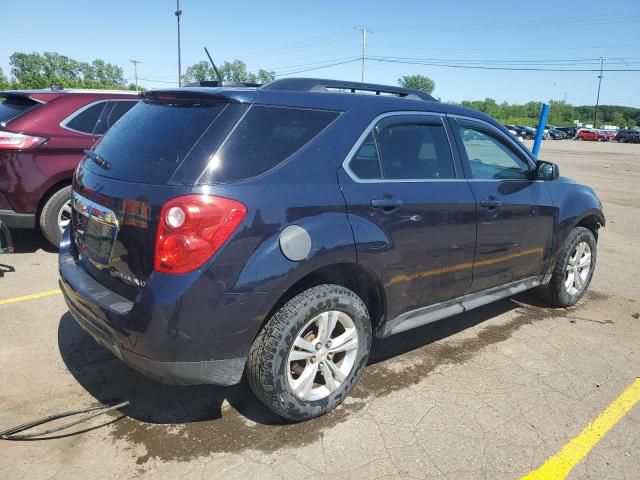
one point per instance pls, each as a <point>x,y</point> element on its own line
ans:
<point>322,356</point>
<point>578,268</point>
<point>64,216</point>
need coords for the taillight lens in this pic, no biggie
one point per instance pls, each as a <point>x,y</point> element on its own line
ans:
<point>19,141</point>
<point>192,228</point>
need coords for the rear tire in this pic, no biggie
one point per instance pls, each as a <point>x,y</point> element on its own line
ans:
<point>573,271</point>
<point>56,215</point>
<point>299,370</point>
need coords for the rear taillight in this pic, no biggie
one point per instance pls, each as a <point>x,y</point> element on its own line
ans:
<point>19,141</point>
<point>192,228</point>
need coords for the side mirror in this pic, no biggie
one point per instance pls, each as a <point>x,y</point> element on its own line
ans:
<point>546,170</point>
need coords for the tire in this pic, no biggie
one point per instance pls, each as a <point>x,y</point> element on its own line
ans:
<point>621,140</point>
<point>57,207</point>
<point>272,375</point>
<point>557,291</point>
<point>580,139</point>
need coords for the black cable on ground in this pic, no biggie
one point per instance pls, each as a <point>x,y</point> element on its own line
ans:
<point>13,433</point>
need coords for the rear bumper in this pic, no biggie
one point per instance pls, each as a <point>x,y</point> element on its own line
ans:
<point>108,317</point>
<point>17,220</point>
<point>219,372</point>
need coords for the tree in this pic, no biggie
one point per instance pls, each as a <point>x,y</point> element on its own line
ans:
<point>235,71</point>
<point>419,82</point>
<point>33,70</point>
<point>4,81</point>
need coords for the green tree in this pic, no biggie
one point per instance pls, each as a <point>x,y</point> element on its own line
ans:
<point>419,82</point>
<point>33,70</point>
<point>4,81</point>
<point>235,71</point>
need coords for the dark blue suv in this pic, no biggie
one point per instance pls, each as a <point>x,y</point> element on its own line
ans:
<point>273,231</point>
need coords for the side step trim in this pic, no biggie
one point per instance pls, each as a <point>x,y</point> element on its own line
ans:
<point>438,311</point>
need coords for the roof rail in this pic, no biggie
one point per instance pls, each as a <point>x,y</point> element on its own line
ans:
<point>221,83</point>
<point>324,85</point>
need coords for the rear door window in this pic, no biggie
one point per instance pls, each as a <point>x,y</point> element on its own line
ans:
<point>13,106</point>
<point>153,139</point>
<point>265,137</point>
<point>85,120</point>
<point>415,152</point>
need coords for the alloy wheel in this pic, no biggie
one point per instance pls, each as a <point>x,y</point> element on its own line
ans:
<point>578,268</point>
<point>323,355</point>
<point>64,216</point>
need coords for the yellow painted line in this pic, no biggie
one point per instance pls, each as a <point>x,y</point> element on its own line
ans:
<point>559,466</point>
<point>33,296</point>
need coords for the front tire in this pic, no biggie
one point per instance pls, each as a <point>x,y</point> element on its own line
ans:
<point>573,271</point>
<point>311,353</point>
<point>56,215</point>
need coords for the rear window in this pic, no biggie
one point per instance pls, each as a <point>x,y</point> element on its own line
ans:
<point>14,106</point>
<point>264,138</point>
<point>152,139</point>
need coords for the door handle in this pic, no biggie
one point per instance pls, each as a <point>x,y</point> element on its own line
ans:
<point>490,203</point>
<point>386,204</point>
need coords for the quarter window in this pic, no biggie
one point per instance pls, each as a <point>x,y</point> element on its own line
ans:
<point>111,114</point>
<point>490,158</point>
<point>366,163</point>
<point>86,120</point>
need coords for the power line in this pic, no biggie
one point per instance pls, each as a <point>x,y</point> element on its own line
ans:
<point>485,67</point>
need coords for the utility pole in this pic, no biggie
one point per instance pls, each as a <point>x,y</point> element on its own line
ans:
<point>178,13</point>
<point>135,71</point>
<point>364,32</point>
<point>595,115</point>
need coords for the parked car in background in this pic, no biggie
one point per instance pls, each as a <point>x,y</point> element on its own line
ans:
<point>606,135</point>
<point>519,131</point>
<point>569,131</point>
<point>587,134</point>
<point>270,233</point>
<point>43,135</point>
<point>628,136</point>
<point>556,134</point>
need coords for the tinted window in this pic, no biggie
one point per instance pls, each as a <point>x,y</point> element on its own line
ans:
<point>264,138</point>
<point>366,164</point>
<point>152,140</point>
<point>86,120</point>
<point>111,114</point>
<point>415,152</point>
<point>12,107</point>
<point>490,158</point>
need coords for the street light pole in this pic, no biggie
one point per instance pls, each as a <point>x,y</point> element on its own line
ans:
<point>178,13</point>
<point>595,115</point>
<point>135,71</point>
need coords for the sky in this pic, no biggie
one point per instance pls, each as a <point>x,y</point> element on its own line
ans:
<point>290,36</point>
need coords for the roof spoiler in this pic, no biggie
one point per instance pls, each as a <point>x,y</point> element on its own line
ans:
<point>324,85</point>
<point>222,83</point>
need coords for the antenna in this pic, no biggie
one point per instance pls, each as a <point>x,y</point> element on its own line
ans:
<point>214,65</point>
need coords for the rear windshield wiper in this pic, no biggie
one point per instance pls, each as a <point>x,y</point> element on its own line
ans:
<point>97,159</point>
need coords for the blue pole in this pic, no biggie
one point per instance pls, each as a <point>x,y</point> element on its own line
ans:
<point>542,122</point>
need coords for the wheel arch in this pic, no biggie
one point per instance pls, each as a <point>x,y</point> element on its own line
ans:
<point>60,184</point>
<point>353,276</point>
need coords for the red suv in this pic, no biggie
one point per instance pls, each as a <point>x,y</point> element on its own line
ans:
<point>43,135</point>
<point>587,134</point>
